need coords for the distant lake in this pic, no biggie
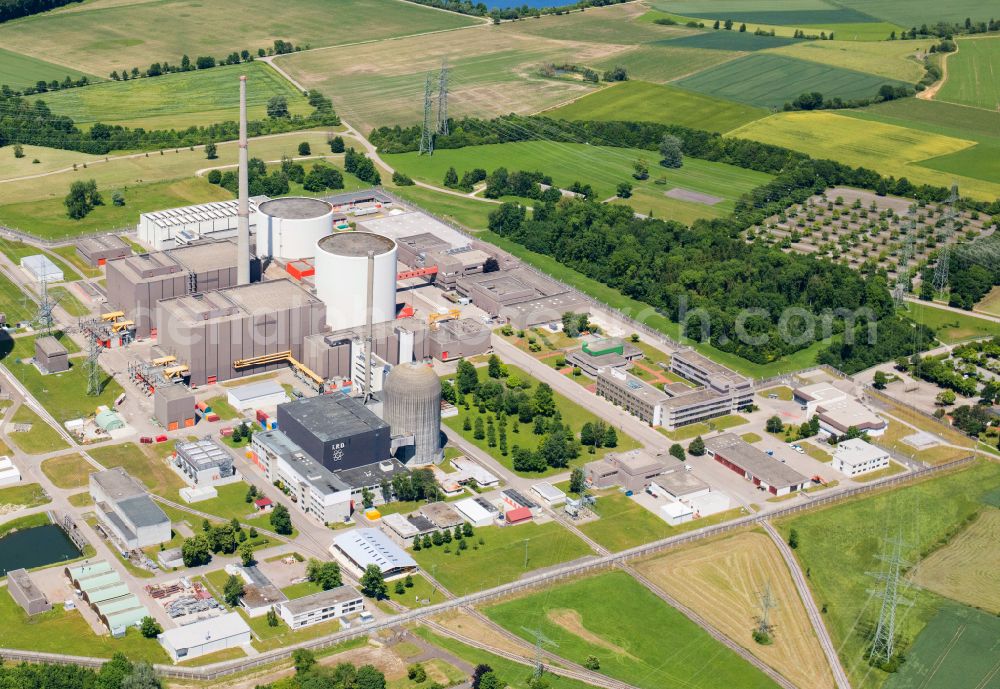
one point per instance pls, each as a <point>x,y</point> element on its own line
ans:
<point>35,547</point>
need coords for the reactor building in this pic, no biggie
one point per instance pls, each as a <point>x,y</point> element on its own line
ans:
<point>411,405</point>
<point>342,278</point>
<point>289,228</point>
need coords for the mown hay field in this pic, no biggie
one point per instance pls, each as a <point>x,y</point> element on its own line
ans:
<point>769,80</point>
<point>107,35</point>
<point>644,102</point>
<point>722,580</point>
<point>973,78</point>
<point>18,71</point>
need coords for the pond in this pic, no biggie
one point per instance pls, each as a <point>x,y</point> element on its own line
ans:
<point>36,547</point>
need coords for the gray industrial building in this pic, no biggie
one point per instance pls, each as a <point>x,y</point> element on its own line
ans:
<point>173,406</point>
<point>24,592</point>
<point>210,331</point>
<point>336,430</point>
<point>755,466</point>
<point>716,377</point>
<point>520,296</point>
<point>51,355</point>
<point>203,461</point>
<point>99,250</point>
<point>126,511</point>
<point>136,283</point>
<point>411,405</point>
<point>632,470</point>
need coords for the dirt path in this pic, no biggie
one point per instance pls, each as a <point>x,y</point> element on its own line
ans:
<point>571,622</point>
<point>932,90</point>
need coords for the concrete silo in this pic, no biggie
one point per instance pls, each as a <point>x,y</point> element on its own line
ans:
<point>342,278</point>
<point>411,405</point>
<point>288,228</point>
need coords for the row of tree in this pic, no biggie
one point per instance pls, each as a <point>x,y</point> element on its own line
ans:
<point>361,166</point>
<point>814,100</point>
<point>279,47</point>
<point>117,673</point>
<point>12,9</point>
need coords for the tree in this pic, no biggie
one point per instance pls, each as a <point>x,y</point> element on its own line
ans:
<point>368,677</point>
<point>697,447</point>
<point>233,590</point>
<point>592,663</point>
<point>367,498</point>
<point>326,574</point>
<point>677,451</point>
<point>281,520</point>
<point>544,400</point>
<point>451,178</point>
<point>577,481</point>
<point>610,437</point>
<point>305,149</point>
<point>18,151</point>
<point>491,265</point>
<point>373,583</point>
<point>82,198</point>
<point>624,190</point>
<point>117,199</point>
<point>195,551</point>
<point>150,627</point>
<point>671,151</point>
<point>617,73</point>
<point>466,379</point>
<point>277,106</point>
<point>211,151</point>
<point>478,672</point>
<point>774,425</point>
<point>246,553</point>
<point>880,380</point>
<point>743,28</point>
<point>416,673</point>
<point>337,144</point>
<point>793,539</point>
<point>143,676</point>
<point>641,169</point>
<point>490,681</point>
<point>303,660</point>
<point>946,397</point>
<point>495,368</point>
<point>480,432</point>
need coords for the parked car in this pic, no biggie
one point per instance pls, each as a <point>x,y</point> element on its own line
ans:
<point>145,440</point>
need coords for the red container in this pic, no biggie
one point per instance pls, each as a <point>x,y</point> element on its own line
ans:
<point>261,415</point>
<point>145,440</point>
<point>226,432</point>
<point>212,417</point>
<point>161,438</point>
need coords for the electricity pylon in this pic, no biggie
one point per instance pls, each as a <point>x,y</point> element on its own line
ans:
<point>44,320</point>
<point>426,133</point>
<point>766,602</point>
<point>941,269</point>
<point>884,644</point>
<point>903,266</point>
<point>539,640</point>
<point>442,124</point>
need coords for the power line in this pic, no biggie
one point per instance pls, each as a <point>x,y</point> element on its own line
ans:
<point>442,127</point>
<point>426,135</point>
<point>944,258</point>
<point>883,647</point>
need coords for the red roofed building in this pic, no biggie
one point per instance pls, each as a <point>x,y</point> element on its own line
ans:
<point>517,515</point>
<point>263,504</point>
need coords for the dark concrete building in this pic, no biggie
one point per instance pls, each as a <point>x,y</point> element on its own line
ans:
<point>173,406</point>
<point>99,250</point>
<point>137,283</point>
<point>24,592</point>
<point>51,355</point>
<point>336,430</point>
<point>211,331</point>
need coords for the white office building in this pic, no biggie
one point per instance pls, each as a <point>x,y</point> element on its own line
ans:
<point>320,607</point>
<point>855,457</point>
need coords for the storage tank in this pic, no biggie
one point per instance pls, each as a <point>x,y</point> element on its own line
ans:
<point>289,228</point>
<point>342,278</point>
<point>411,405</point>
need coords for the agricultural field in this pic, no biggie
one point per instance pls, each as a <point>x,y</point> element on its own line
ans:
<point>968,568</point>
<point>916,12</point>
<point>785,21</point>
<point>619,24</point>
<point>506,554</point>
<point>137,34</point>
<point>19,71</point>
<point>663,62</point>
<point>957,648</point>
<point>990,303</point>
<point>770,80</point>
<point>644,102</point>
<point>897,60</point>
<point>739,41</point>
<point>886,148</point>
<point>790,13</point>
<point>611,616</point>
<point>841,543</point>
<point>177,101</point>
<point>718,184</point>
<point>722,580</point>
<point>972,75</point>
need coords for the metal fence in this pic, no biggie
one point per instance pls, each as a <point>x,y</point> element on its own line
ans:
<point>23,236</point>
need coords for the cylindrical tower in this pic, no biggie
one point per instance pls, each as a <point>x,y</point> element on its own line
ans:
<point>288,228</point>
<point>411,405</point>
<point>342,278</point>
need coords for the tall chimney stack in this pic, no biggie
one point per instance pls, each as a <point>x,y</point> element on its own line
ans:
<point>243,212</point>
<point>369,317</point>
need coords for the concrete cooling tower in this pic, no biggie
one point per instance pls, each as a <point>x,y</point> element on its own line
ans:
<point>411,405</point>
<point>342,278</point>
<point>289,228</point>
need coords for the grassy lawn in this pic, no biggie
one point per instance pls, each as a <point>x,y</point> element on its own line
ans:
<point>231,503</point>
<point>16,250</point>
<point>990,303</point>
<point>64,395</point>
<point>26,522</point>
<point>624,523</point>
<point>950,326</point>
<point>24,495</point>
<point>41,439</point>
<point>60,631</point>
<point>301,590</point>
<point>18,306</point>
<point>782,392</point>
<point>72,305</point>
<point>720,423</point>
<point>839,544</point>
<point>81,499</point>
<point>751,437</point>
<point>501,558</point>
<point>890,470</point>
<point>573,415</point>
<point>70,255</point>
<point>414,596</point>
<point>217,657</point>
<point>609,616</point>
<point>158,477</point>
<point>972,79</point>
<point>816,452</point>
<point>220,406</point>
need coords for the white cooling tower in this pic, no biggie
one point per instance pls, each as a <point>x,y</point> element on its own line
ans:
<point>342,278</point>
<point>289,228</point>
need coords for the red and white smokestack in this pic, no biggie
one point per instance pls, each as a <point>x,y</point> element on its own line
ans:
<point>243,211</point>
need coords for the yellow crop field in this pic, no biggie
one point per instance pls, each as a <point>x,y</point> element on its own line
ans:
<point>886,148</point>
<point>721,580</point>
<point>892,59</point>
<point>968,568</point>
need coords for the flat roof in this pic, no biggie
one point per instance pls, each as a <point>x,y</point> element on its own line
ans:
<point>755,462</point>
<point>693,396</point>
<point>519,498</point>
<point>847,412</point>
<point>117,484</point>
<point>709,367</point>
<point>371,474</point>
<point>372,547</point>
<point>323,599</point>
<point>856,451</point>
<point>205,255</point>
<point>202,632</point>
<point>237,302</point>
<point>330,417</point>
<point>548,491</point>
<point>355,196</point>
<point>441,513</point>
<point>676,509</point>
<point>355,244</point>
<point>817,392</point>
<point>204,453</point>
<point>173,217</point>
<point>105,241</point>
<point>400,524</point>
<point>318,476</point>
<point>634,386</point>
<point>413,224</point>
<point>295,208</point>
<point>41,265</point>
<point>24,583</point>
<point>245,393</point>
<point>679,482</point>
<point>50,346</point>
<point>472,509</point>
<point>635,462</point>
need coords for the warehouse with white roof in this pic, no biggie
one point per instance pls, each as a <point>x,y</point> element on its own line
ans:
<point>206,636</point>
<point>359,548</point>
<point>177,226</point>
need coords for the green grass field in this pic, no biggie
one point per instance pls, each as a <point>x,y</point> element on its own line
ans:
<point>612,616</point>
<point>769,80</point>
<point>19,71</point>
<point>177,101</point>
<point>501,558</point>
<point>841,543</point>
<point>784,19</point>
<point>15,250</point>
<point>957,648</point>
<point>471,213</point>
<point>738,41</point>
<point>41,439</point>
<point>972,75</point>
<point>601,166</point>
<point>990,303</point>
<point>25,494</point>
<point>158,477</point>
<point>105,35</point>
<point>663,62</point>
<point>644,102</point>
<point>916,12</point>
<point>887,148</point>
<point>890,59</point>
<point>950,326</point>
<point>68,471</point>
<point>49,160</point>
<point>17,305</point>
<point>573,416</point>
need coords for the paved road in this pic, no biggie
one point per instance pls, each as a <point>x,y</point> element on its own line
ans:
<point>839,675</point>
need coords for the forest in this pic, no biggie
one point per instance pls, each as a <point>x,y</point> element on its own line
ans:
<point>12,9</point>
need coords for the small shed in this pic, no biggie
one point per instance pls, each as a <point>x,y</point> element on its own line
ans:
<point>108,420</point>
<point>51,355</point>
<point>517,515</point>
<point>41,268</point>
<point>676,513</point>
<point>549,493</point>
